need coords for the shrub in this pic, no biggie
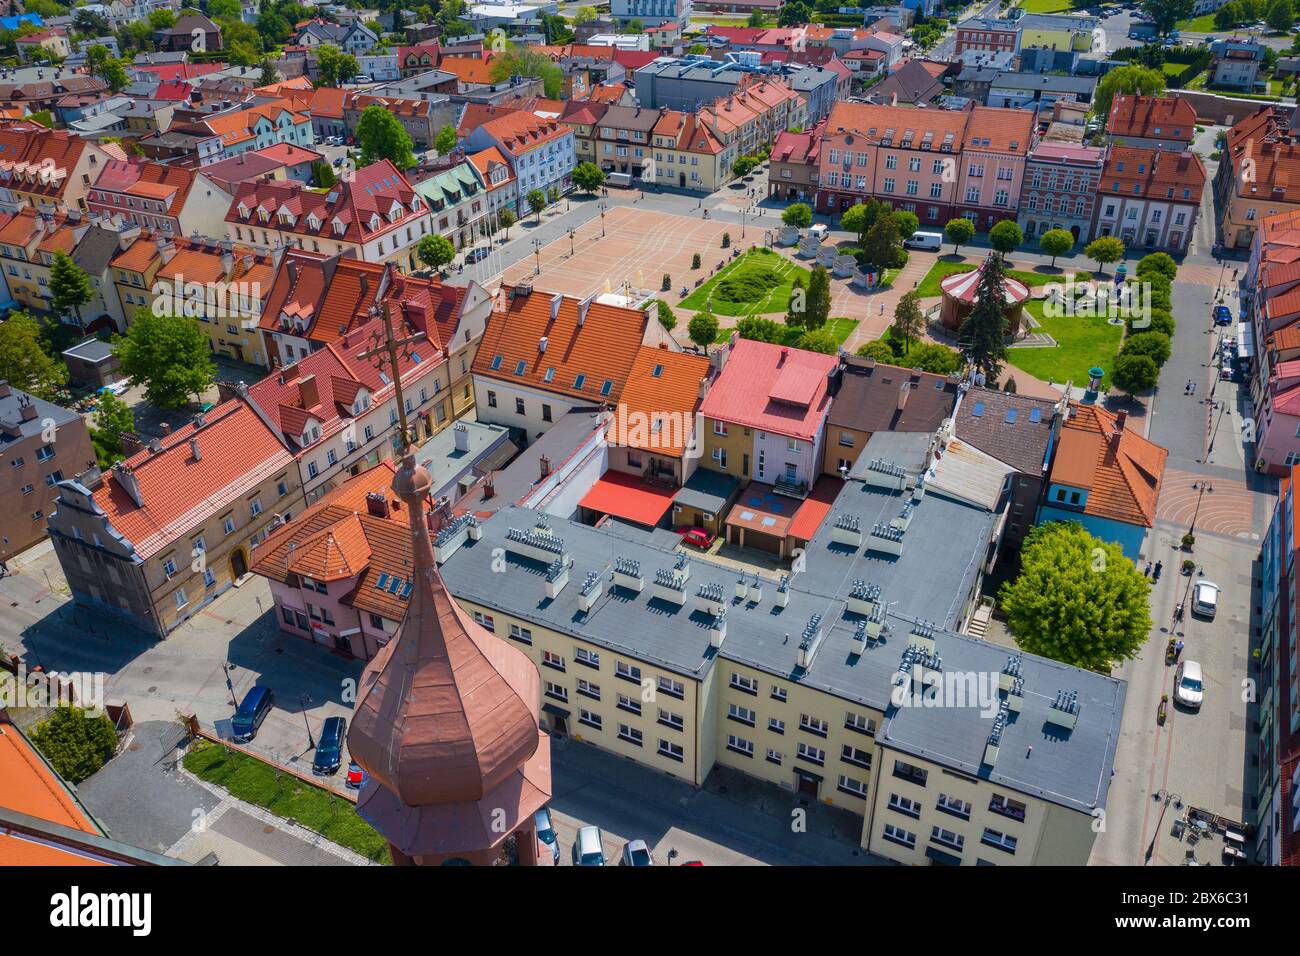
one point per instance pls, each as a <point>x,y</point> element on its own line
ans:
<point>76,745</point>
<point>748,284</point>
<point>1155,345</point>
<point>726,240</point>
<point>667,283</point>
<point>695,261</point>
<point>878,350</point>
<point>1158,263</point>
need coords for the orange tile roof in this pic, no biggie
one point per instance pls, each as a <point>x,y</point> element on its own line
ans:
<point>602,349</point>
<point>1152,117</point>
<point>521,131</point>
<point>690,132</point>
<point>670,397</point>
<point>29,153</point>
<point>235,127</point>
<point>1003,130</point>
<point>1265,137</point>
<point>326,293</point>
<point>1120,469</point>
<point>238,452</point>
<point>485,161</point>
<point>864,118</point>
<point>1151,173</point>
<point>467,69</point>
<point>29,785</point>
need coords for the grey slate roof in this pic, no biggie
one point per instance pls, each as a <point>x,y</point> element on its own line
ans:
<point>11,415</point>
<point>1022,443</point>
<point>446,465</point>
<point>706,490</point>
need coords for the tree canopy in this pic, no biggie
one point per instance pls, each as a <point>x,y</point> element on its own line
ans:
<point>169,355</point>
<point>959,231</point>
<point>382,136</point>
<point>798,215</point>
<point>1126,79</point>
<point>983,332</point>
<point>25,362</point>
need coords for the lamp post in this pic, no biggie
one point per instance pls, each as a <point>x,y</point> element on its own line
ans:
<point>1165,797</point>
<point>537,253</point>
<point>230,685</point>
<point>303,701</point>
<point>571,234</point>
<point>1204,486</point>
<point>603,206</point>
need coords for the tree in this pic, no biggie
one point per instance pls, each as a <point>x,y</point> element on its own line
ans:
<point>1077,599</point>
<point>634,26</point>
<point>794,14</point>
<point>756,19</point>
<point>818,305</point>
<point>1154,345</point>
<point>1280,16</point>
<point>24,362</point>
<point>583,15</point>
<point>1104,250</point>
<point>906,223</point>
<point>322,175</point>
<point>881,244</point>
<point>224,9</point>
<point>101,63</point>
<point>666,317</point>
<point>381,136</point>
<point>797,308</point>
<point>934,357</point>
<point>878,350</point>
<point>335,66</point>
<point>798,215</point>
<point>507,218</point>
<point>435,251</point>
<point>958,232</point>
<point>908,320</point>
<point>703,330</point>
<point>1135,373</point>
<point>446,140</point>
<point>75,744</point>
<point>759,329</point>
<point>983,332</point>
<point>743,166</point>
<point>69,285</point>
<point>269,74</point>
<point>1126,79</point>
<point>860,217</point>
<point>1228,16</point>
<point>1166,13</point>
<point>1157,264</point>
<point>818,340</point>
<point>521,61</point>
<point>162,19</point>
<point>113,419</point>
<point>1056,242</point>
<point>169,355</point>
<point>1006,236</point>
<point>588,176</point>
<point>536,200</point>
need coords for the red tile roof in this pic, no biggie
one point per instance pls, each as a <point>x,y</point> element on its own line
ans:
<point>1120,469</point>
<point>628,496</point>
<point>1151,173</point>
<point>143,179</point>
<point>1152,117</point>
<point>663,387</point>
<point>773,388</point>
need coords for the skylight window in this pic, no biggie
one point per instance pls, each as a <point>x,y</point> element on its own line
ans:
<point>579,381</point>
<point>1011,416</point>
<point>1035,415</point>
<point>978,410</point>
<point>394,585</point>
<point>496,362</point>
<point>659,370</point>
<point>607,387</point>
<point>406,590</point>
<point>519,369</point>
<point>549,376</point>
<point>382,582</point>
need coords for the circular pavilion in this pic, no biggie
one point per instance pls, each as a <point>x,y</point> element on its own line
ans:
<point>961,292</point>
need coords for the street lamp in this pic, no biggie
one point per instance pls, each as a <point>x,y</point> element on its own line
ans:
<point>603,206</point>
<point>571,234</point>
<point>304,700</point>
<point>1166,798</point>
<point>1204,486</point>
<point>537,252</point>
<point>230,685</point>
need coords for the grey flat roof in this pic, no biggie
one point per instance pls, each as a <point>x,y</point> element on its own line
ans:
<point>706,490</point>
<point>446,465</point>
<point>91,350</point>
<point>908,450</point>
<point>11,414</point>
<point>942,550</point>
<point>1045,81</point>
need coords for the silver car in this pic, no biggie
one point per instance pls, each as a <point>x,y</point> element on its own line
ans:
<point>1189,689</point>
<point>1205,598</point>
<point>546,834</point>
<point>589,847</point>
<point>636,853</point>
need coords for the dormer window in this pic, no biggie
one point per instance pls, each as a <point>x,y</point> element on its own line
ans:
<point>313,222</point>
<point>374,222</point>
<point>243,211</point>
<point>339,227</point>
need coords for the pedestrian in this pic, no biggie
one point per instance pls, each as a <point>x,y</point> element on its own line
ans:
<point>1147,572</point>
<point>1187,389</point>
<point>1178,649</point>
<point>1155,572</point>
<point>1193,388</point>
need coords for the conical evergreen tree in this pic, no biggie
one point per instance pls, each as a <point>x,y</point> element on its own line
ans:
<point>982,336</point>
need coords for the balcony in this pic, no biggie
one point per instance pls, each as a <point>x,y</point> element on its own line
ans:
<point>790,488</point>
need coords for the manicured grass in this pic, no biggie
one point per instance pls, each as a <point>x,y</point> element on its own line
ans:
<point>776,299</point>
<point>1203,24</point>
<point>1081,344</point>
<point>1046,6</point>
<point>285,795</point>
<point>941,270</point>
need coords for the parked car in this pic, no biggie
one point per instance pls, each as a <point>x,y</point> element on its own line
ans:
<point>589,848</point>
<point>256,705</point>
<point>636,853</point>
<point>476,255</point>
<point>1205,598</point>
<point>546,833</point>
<point>1222,315</point>
<point>329,749</point>
<point>702,538</point>
<point>356,775</point>
<point>1188,689</point>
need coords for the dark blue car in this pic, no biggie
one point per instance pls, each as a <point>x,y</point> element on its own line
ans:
<point>329,749</point>
<point>257,704</point>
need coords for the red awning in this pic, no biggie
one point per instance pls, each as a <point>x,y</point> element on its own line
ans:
<point>626,496</point>
<point>815,508</point>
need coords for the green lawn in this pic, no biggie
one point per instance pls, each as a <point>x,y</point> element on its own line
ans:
<point>1081,344</point>
<point>287,796</point>
<point>1203,24</point>
<point>776,299</point>
<point>1046,6</point>
<point>941,270</point>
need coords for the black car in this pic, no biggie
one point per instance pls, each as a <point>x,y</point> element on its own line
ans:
<point>257,704</point>
<point>475,255</point>
<point>329,749</point>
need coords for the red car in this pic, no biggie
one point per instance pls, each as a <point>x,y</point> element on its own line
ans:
<point>356,775</point>
<point>702,538</point>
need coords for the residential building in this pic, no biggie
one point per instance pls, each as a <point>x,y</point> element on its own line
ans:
<point>911,82</point>
<point>168,199</point>
<point>41,444</point>
<point>281,161</point>
<point>1235,63</point>
<point>1164,122</point>
<point>765,415</point>
<point>1060,189</point>
<point>1259,175</point>
<point>43,46</point>
<point>793,166</point>
<point>981,33</point>
<point>374,215</point>
<point>1057,31</point>
<point>497,178</point>
<point>540,152</point>
<point>49,170</point>
<point>421,117</point>
<point>251,127</point>
<point>622,140</point>
<point>1104,476</point>
<point>993,164</point>
<point>1149,198</point>
<point>652,13</point>
<point>688,155</point>
<point>192,32</point>
<point>1029,91</point>
<point>457,201</point>
<point>155,540</point>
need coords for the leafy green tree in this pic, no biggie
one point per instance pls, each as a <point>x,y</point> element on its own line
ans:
<point>1280,16</point>
<point>269,74</point>
<point>860,217</point>
<point>797,308</point>
<point>756,19</point>
<point>507,218</point>
<point>1105,250</point>
<point>381,136</point>
<point>336,66</point>
<point>113,419</point>
<point>446,140</point>
<point>879,350</point>
<point>906,224</point>
<point>794,14</point>
<point>908,320</point>
<point>435,251</point>
<point>162,19</point>
<point>1154,345</point>
<point>1126,79</point>
<point>959,232</point>
<point>1056,242</point>
<point>169,355</point>
<point>1166,13</point>
<point>818,299</point>
<point>1228,16</point>
<point>75,744</point>
<point>224,10</point>
<point>934,357</point>
<point>759,329</point>
<point>583,15</point>
<point>743,166</point>
<point>1157,264</point>
<point>983,333</point>
<point>703,330</point>
<point>588,176</point>
<point>1077,599</point>
<point>818,340</point>
<point>536,200</point>
<point>881,244</point>
<point>799,215</point>
<point>69,285</point>
<point>521,61</point>
<point>1135,373</point>
<point>101,63</point>
<point>667,318</point>
<point>274,28</point>
<point>1006,236</point>
<point>322,175</point>
<point>25,362</point>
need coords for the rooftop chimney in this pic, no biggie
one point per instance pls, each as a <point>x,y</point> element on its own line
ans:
<point>1120,418</point>
<point>309,390</point>
<point>5,390</point>
<point>28,410</point>
<point>125,476</point>
<point>194,449</point>
<point>164,429</point>
<point>545,464</point>
<point>377,504</point>
<point>903,391</point>
<point>460,434</point>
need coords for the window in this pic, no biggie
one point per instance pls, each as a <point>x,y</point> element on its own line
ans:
<point>998,840</point>
<point>1007,808</point>
<point>778,693</point>
<point>169,567</point>
<point>180,598</point>
<point>811,754</point>
<point>855,788</point>
<point>485,620</point>
<point>900,836</point>
<point>747,684</point>
<point>947,838</point>
<point>669,719</point>
<point>552,660</point>
<point>589,718</point>
<point>228,525</point>
<point>814,725</point>
<point>521,634</point>
<point>856,756</point>
<point>587,689</point>
<point>519,407</point>
<point>904,805</point>
<point>628,672</point>
<point>774,756</point>
<point>905,771</point>
<point>209,579</point>
<point>255,506</point>
<point>776,725</point>
<point>719,428</point>
<point>630,734</point>
<point>584,656</point>
<point>671,750</point>
<point>740,714</point>
<point>673,688</point>
<point>45,453</point>
<point>740,745</point>
<point>860,723</point>
<point>556,691</point>
<point>492,399</point>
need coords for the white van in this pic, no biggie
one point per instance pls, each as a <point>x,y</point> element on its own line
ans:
<point>621,180</point>
<point>924,240</point>
<point>818,230</point>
